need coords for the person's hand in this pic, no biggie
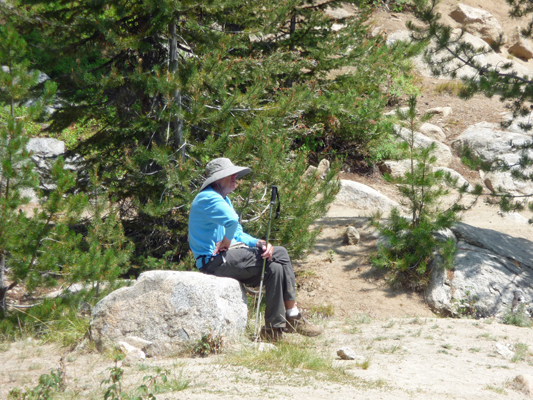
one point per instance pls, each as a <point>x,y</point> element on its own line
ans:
<point>267,248</point>
<point>223,245</point>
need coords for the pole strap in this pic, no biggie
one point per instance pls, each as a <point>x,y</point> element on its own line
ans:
<point>275,194</point>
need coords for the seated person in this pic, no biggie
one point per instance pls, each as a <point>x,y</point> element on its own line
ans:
<point>214,226</point>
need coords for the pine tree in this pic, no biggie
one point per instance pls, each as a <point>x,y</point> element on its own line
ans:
<point>39,247</point>
<point>16,169</point>
<point>174,84</point>
<point>412,243</point>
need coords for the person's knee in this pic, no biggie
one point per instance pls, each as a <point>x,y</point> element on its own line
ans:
<point>275,268</point>
<point>281,252</point>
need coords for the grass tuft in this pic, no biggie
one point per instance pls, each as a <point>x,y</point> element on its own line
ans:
<point>451,87</point>
<point>322,311</point>
<point>518,317</point>
<point>520,353</point>
<point>359,319</point>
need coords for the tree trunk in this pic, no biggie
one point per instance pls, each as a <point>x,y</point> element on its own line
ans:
<point>292,47</point>
<point>292,30</point>
<point>3,287</point>
<point>173,64</point>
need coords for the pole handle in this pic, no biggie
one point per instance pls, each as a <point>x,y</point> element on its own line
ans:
<point>274,194</point>
<point>273,197</point>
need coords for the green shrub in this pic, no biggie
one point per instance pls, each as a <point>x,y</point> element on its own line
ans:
<point>48,385</point>
<point>208,344</point>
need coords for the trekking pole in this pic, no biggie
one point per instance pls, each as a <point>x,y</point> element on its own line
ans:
<point>272,200</point>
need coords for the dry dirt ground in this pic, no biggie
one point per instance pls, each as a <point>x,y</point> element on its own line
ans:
<point>410,352</point>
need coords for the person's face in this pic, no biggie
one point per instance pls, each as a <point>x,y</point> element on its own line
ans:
<point>227,184</point>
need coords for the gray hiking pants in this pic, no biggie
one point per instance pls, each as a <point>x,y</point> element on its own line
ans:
<point>245,265</point>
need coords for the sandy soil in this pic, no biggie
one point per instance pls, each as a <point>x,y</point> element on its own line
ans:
<point>412,353</point>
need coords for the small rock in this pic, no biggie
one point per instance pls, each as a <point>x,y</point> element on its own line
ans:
<point>323,168</point>
<point>384,168</point>
<point>309,171</point>
<point>393,112</point>
<point>262,346</point>
<point>346,353</point>
<point>504,351</point>
<point>443,111</point>
<point>352,236</point>
<point>433,132</point>
<point>514,217</point>
<point>133,353</point>
<point>489,186</point>
<point>520,383</point>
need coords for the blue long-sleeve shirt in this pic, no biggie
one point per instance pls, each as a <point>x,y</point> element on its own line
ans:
<point>211,218</point>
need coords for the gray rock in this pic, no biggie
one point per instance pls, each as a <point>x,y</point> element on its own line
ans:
<point>518,250</point>
<point>358,196</point>
<point>444,234</point>
<point>478,22</point>
<point>504,181</point>
<point>131,351</point>
<point>432,131</point>
<point>401,167</point>
<point>442,111</point>
<point>443,153</point>
<point>491,143</point>
<point>438,294</point>
<point>514,217</point>
<point>456,175</point>
<point>46,147</point>
<point>322,169</point>
<point>520,46</point>
<point>491,268</point>
<point>398,36</point>
<point>170,309</point>
<point>515,124</point>
<point>346,353</point>
<point>397,168</point>
<point>352,236</point>
<point>393,112</point>
<point>504,350</point>
<point>344,11</point>
<point>309,171</point>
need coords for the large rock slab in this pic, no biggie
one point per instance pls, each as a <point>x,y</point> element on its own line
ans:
<point>364,198</point>
<point>493,273</point>
<point>519,250</point>
<point>170,309</point>
<point>491,143</point>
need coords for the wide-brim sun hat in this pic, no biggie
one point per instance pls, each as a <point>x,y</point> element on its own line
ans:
<point>220,168</point>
